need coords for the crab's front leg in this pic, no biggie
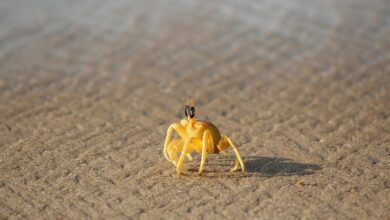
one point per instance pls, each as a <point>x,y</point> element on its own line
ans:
<point>184,152</point>
<point>173,147</point>
<point>179,130</point>
<point>189,157</point>
<point>207,143</point>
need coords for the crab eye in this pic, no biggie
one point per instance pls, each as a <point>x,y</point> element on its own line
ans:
<point>186,111</point>
<point>190,111</point>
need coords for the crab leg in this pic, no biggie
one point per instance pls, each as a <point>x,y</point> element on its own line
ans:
<point>205,145</point>
<point>173,147</point>
<point>236,165</point>
<point>238,156</point>
<point>179,166</point>
<point>180,131</point>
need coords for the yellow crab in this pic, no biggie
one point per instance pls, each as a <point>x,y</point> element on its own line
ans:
<point>200,136</point>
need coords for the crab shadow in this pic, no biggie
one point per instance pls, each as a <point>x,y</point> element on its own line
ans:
<point>278,166</point>
<point>256,167</point>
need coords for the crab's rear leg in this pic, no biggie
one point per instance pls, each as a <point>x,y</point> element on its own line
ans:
<point>236,165</point>
<point>238,160</point>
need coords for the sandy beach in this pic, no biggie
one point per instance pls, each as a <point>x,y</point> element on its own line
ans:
<point>88,90</point>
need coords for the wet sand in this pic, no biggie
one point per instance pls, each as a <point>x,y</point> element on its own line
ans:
<point>87,91</point>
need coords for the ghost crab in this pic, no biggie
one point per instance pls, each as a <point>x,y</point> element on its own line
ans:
<point>200,136</point>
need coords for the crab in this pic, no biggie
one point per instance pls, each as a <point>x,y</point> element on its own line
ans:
<point>200,136</point>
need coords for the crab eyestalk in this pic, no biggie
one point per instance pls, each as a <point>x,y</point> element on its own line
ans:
<point>190,111</point>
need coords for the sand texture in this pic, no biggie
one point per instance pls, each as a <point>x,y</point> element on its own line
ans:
<point>88,89</point>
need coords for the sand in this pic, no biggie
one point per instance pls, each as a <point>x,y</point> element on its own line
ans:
<point>87,91</point>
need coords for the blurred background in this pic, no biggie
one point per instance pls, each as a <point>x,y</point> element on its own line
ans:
<point>88,89</point>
